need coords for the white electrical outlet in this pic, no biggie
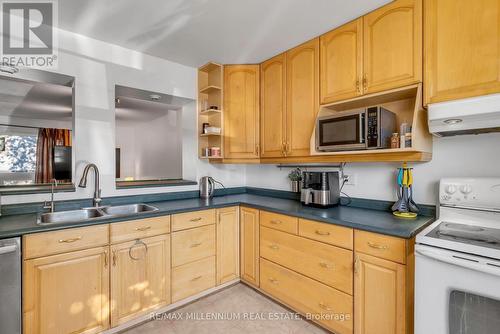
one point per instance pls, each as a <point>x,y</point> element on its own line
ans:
<point>351,179</point>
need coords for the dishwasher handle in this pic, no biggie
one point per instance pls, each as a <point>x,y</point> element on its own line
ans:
<point>8,249</point>
<point>477,263</point>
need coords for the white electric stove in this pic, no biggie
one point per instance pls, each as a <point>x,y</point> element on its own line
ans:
<point>457,261</point>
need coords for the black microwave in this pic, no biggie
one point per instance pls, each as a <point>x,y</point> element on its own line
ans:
<point>362,129</point>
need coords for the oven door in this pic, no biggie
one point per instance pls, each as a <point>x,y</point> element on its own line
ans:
<point>455,293</point>
<point>345,131</point>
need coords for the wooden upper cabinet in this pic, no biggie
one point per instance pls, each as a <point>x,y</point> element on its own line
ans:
<point>341,60</point>
<point>462,49</point>
<point>67,293</point>
<point>302,78</point>
<point>379,296</point>
<point>241,111</point>
<point>249,248</point>
<point>140,277</point>
<point>228,244</point>
<point>393,46</point>
<point>273,107</point>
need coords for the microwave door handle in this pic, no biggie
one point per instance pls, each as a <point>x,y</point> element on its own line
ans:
<point>492,269</point>
<point>362,128</point>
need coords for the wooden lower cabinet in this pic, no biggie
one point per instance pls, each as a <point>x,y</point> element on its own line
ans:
<point>249,247</point>
<point>228,244</point>
<point>140,277</point>
<point>327,306</point>
<point>67,293</point>
<point>379,296</point>
<point>193,278</point>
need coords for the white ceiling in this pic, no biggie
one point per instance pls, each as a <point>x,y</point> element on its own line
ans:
<point>192,32</point>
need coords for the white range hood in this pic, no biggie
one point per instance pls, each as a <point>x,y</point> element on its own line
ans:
<point>468,116</point>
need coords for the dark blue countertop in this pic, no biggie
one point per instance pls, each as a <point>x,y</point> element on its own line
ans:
<point>378,221</point>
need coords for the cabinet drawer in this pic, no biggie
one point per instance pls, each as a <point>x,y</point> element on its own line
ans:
<point>332,308</point>
<point>328,264</point>
<point>56,242</point>
<point>331,234</point>
<point>279,222</point>
<point>192,278</point>
<point>192,245</point>
<point>138,229</point>
<point>183,221</point>
<point>382,246</point>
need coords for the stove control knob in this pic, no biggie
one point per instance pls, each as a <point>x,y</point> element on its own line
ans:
<point>465,189</point>
<point>450,189</point>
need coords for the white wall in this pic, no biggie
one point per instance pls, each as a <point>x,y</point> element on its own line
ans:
<point>98,67</point>
<point>452,157</point>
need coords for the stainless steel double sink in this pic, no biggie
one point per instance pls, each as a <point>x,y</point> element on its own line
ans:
<point>89,214</point>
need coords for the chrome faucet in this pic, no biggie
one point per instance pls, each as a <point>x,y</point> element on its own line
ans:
<point>83,183</point>
<point>51,206</point>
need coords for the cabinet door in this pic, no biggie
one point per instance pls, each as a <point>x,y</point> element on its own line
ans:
<point>462,49</point>
<point>241,111</point>
<point>67,293</point>
<point>140,277</point>
<point>228,245</point>
<point>379,296</point>
<point>249,249</point>
<point>273,107</point>
<point>341,60</point>
<point>393,46</point>
<point>302,91</point>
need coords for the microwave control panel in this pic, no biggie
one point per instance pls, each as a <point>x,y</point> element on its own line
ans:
<point>372,128</point>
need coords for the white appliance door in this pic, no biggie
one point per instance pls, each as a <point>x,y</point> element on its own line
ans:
<point>455,293</point>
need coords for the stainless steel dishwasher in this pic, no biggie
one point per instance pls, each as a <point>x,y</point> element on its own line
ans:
<point>10,286</point>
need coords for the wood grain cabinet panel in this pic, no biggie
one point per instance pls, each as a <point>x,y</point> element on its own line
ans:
<point>67,293</point>
<point>187,220</point>
<point>249,247</point>
<point>279,222</point>
<point>328,264</point>
<point>341,62</point>
<point>194,244</point>
<point>330,307</point>
<point>379,296</point>
<point>241,111</point>
<point>140,277</point>
<point>392,46</point>
<point>228,244</point>
<point>379,245</point>
<point>193,278</point>
<point>302,92</point>
<point>462,49</point>
<point>273,107</point>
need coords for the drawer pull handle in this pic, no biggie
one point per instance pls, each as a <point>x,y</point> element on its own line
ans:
<point>142,229</point>
<point>273,280</point>
<point>275,247</point>
<point>377,246</point>
<point>195,245</point>
<point>322,233</point>
<point>196,278</point>
<point>68,241</point>
<point>325,307</point>
<point>114,258</point>
<point>195,219</point>
<point>326,265</point>
<point>276,222</point>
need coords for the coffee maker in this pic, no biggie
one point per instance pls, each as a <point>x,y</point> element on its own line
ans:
<point>320,189</point>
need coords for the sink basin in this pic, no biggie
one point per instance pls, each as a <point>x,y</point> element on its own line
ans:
<point>72,216</point>
<point>126,210</point>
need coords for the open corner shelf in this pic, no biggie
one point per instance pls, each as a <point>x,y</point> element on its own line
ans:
<point>210,84</point>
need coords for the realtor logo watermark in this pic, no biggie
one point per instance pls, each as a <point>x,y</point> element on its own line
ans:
<point>28,37</point>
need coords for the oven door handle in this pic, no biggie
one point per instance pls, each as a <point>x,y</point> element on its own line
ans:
<point>463,260</point>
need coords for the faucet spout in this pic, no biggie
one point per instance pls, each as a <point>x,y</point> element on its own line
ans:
<point>97,190</point>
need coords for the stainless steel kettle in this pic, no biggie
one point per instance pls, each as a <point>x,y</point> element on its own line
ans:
<point>207,187</point>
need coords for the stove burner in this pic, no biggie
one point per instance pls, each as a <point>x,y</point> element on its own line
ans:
<point>468,234</point>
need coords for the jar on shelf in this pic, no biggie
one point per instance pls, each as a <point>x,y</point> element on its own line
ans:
<point>395,140</point>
